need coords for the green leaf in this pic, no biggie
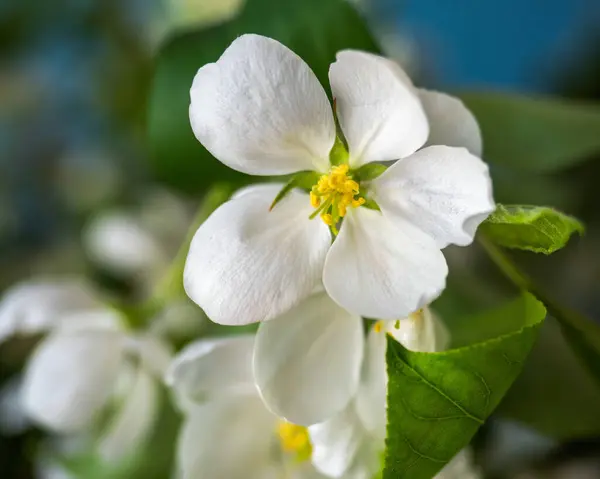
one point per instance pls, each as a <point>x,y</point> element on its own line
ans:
<point>532,228</point>
<point>437,401</point>
<point>538,134</point>
<point>511,316</point>
<point>314,29</point>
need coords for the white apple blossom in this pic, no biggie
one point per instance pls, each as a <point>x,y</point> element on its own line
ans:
<point>227,432</point>
<point>260,110</point>
<point>351,444</point>
<point>86,364</point>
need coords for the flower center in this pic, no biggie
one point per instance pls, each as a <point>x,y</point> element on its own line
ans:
<point>333,193</point>
<point>294,439</point>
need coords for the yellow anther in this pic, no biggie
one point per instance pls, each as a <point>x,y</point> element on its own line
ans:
<point>294,439</point>
<point>378,326</point>
<point>334,193</point>
<point>358,202</point>
<point>315,201</point>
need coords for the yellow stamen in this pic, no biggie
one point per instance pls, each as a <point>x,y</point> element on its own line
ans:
<point>294,439</point>
<point>315,201</point>
<point>334,193</point>
<point>378,326</point>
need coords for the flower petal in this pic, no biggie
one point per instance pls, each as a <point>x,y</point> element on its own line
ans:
<point>249,264</point>
<point>212,368</point>
<point>451,123</point>
<point>133,423</point>
<point>380,114</point>
<point>307,361</point>
<point>227,438</point>
<point>421,331</point>
<point>446,192</point>
<point>70,377</point>
<point>371,396</point>
<point>378,268</point>
<point>260,110</point>
<point>342,447</point>
<point>35,306</point>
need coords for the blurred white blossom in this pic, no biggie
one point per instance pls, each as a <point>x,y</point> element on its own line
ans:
<point>87,364</point>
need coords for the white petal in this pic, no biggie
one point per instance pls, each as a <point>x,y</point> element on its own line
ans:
<point>249,264</point>
<point>446,192</point>
<point>133,423</point>
<point>421,331</point>
<point>451,123</point>
<point>70,377</point>
<point>260,110</point>
<point>371,396</point>
<point>229,438</point>
<point>154,353</point>
<point>380,114</point>
<point>307,361</point>
<point>36,306</point>
<point>378,268</point>
<point>342,447</point>
<point>212,368</point>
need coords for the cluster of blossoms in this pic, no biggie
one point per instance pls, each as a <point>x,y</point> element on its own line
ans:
<point>397,181</point>
<point>395,177</point>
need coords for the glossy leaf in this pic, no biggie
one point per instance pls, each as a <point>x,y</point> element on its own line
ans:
<point>538,134</point>
<point>314,29</point>
<point>437,401</point>
<point>532,228</point>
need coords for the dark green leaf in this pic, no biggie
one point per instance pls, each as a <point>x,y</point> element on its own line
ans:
<point>467,329</point>
<point>314,29</point>
<point>537,134</point>
<point>532,228</point>
<point>437,401</point>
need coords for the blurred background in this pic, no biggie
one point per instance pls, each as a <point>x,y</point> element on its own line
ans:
<point>80,158</point>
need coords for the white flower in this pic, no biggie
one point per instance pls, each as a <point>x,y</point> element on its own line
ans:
<point>350,445</point>
<point>227,431</point>
<point>260,110</point>
<point>87,363</point>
